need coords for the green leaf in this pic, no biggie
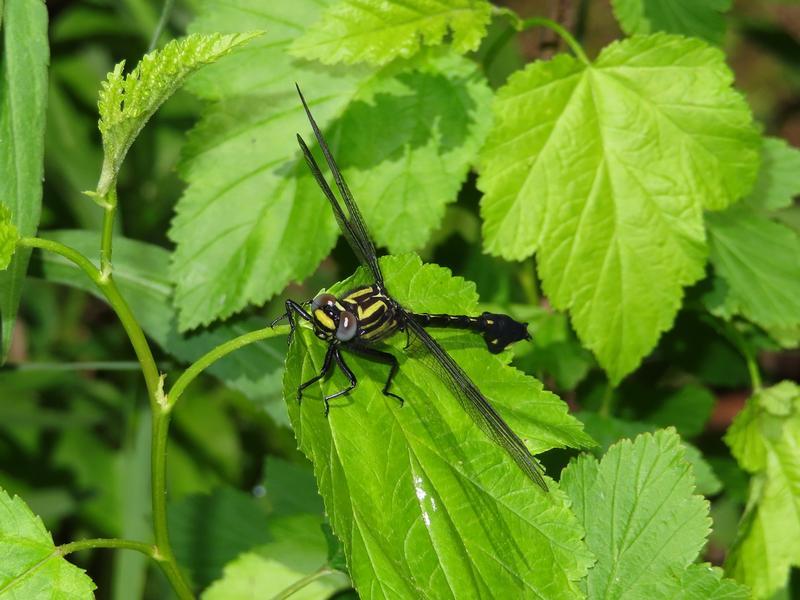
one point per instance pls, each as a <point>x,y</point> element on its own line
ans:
<point>609,430</point>
<point>32,566</point>
<point>23,100</point>
<point>779,176</point>
<point>703,582</point>
<point>759,261</point>
<point>699,18</point>
<point>461,519</point>
<point>253,219</point>
<point>298,549</point>
<point>8,237</point>
<point>127,102</point>
<point>604,169</point>
<point>687,409</point>
<point>210,530</point>
<point>555,351</point>
<point>141,272</point>
<point>352,31</point>
<point>641,518</point>
<point>290,488</point>
<point>706,481</point>
<point>763,438</point>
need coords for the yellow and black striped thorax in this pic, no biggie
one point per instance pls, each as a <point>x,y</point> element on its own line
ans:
<point>374,311</point>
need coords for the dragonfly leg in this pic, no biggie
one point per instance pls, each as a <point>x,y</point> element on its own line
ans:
<point>326,366</point>
<point>348,373</point>
<point>293,310</point>
<point>385,358</point>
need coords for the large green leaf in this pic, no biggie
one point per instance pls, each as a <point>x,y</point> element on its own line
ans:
<point>603,169</point>
<point>252,218</point>
<point>759,260</point>
<point>23,101</point>
<point>425,504</point>
<point>764,439</point>
<point>140,270</point>
<point>32,566</point>
<point>642,521</point>
<point>700,18</point>
<point>352,31</point>
<point>127,102</point>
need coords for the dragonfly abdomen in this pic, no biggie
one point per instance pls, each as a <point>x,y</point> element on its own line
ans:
<point>498,330</point>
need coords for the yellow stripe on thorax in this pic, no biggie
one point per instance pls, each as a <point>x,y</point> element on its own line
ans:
<point>324,320</point>
<point>370,310</point>
<point>354,296</point>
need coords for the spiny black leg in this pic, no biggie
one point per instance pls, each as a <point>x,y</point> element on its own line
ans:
<point>326,365</point>
<point>384,357</point>
<point>293,309</point>
<point>350,376</point>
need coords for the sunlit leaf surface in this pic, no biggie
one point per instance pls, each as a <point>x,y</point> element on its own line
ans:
<point>764,439</point>
<point>604,170</point>
<point>354,31</point>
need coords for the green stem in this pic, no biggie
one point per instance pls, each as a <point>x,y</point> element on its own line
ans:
<point>214,355</point>
<point>70,254</point>
<point>302,582</point>
<point>749,358</point>
<point>136,335</point>
<point>146,549</point>
<point>607,403</point>
<point>519,24</point>
<point>161,413</point>
<point>158,490</point>
<point>109,211</point>
<point>162,22</point>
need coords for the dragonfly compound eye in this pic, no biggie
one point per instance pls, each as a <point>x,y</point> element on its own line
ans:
<point>323,300</point>
<point>347,327</point>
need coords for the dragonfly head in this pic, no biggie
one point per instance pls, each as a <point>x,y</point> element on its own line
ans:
<point>332,320</point>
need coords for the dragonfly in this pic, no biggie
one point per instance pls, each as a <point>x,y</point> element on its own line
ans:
<point>362,318</point>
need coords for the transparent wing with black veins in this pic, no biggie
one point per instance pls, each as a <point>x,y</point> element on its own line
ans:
<point>344,225</point>
<point>363,247</point>
<point>471,399</point>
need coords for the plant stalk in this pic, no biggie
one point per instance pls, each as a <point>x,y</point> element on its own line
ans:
<point>302,582</point>
<point>519,24</point>
<point>214,355</point>
<point>146,549</point>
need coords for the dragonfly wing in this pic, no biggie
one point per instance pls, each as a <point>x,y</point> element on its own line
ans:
<point>344,224</point>
<point>471,399</point>
<point>354,227</point>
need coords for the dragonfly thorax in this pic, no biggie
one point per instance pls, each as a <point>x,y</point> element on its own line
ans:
<point>366,314</point>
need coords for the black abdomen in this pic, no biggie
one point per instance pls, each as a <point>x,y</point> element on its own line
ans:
<point>498,330</point>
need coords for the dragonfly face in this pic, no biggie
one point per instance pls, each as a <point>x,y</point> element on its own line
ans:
<point>332,321</point>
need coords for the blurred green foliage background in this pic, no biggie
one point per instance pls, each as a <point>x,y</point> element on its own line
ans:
<point>74,424</point>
